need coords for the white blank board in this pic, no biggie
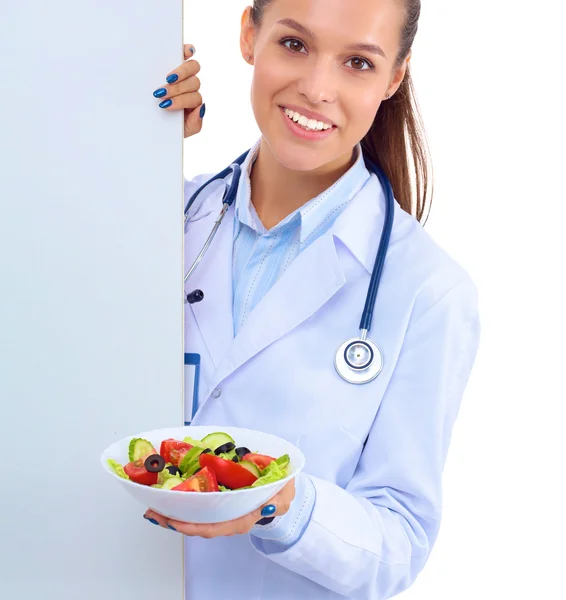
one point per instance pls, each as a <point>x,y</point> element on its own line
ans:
<point>91,335</point>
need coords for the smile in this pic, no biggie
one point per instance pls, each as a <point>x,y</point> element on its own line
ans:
<point>305,123</point>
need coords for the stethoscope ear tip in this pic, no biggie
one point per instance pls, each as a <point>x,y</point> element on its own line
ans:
<point>194,297</point>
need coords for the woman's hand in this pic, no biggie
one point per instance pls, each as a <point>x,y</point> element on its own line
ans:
<point>182,92</point>
<point>281,501</point>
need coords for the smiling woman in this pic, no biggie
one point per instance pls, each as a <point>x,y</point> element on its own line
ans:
<point>303,215</point>
<point>376,91</point>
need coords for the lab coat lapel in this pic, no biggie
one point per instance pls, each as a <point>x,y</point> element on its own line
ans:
<point>309,282</point>
<point>214,277</point>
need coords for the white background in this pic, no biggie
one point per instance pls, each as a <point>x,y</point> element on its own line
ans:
<point>489,77</point>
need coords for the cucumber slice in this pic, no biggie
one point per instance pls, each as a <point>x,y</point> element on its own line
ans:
<point>251,467</point>
<point>190,462</point>
<point>190,457</point>
<point>140,448</point>
<point>194,442</point>
<point>164,475</point>
<point>215,440</point>
<point>283,461</point>
<point>171,483</point>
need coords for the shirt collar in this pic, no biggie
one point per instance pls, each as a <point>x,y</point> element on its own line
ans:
<point>312,215</point>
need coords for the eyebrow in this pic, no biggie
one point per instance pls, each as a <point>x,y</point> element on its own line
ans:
<point>372,48</point>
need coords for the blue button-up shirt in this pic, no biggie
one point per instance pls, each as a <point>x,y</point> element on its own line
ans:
<point>261,256</point>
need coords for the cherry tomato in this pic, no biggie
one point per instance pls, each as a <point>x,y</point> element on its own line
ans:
<point>203,481</point>
<point>139,474</point>
<point>173,450</point>
<point>260,460</point>
<point>228,473</point>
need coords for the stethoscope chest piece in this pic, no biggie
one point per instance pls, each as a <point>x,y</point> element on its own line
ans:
<point>358,361</point>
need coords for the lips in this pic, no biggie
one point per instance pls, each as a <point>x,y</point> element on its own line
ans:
<point>309,114</point>
<point>303,133</point>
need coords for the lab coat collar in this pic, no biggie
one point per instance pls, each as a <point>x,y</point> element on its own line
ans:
<point>243,204</point>
<point>360,226</point>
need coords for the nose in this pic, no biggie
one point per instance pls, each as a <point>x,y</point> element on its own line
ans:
<point>318,82</point>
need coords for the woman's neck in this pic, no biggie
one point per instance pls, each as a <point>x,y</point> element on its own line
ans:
<point>278,191</point>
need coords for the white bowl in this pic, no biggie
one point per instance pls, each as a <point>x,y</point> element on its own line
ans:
<point>206,507</point>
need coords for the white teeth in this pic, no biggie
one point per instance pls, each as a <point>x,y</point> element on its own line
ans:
<point>309,124</point>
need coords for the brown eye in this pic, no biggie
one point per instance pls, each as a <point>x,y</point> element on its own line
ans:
<point>293,44</point>
<point>358,64</point>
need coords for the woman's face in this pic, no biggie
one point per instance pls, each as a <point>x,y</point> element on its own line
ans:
<point>305,59</point>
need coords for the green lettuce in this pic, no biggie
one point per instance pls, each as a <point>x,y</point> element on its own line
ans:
<point>117,468</point>
<point>273,472</point>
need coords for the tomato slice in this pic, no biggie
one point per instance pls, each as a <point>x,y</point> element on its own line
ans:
<point>228,473</point>
<point>139,474</point>
<point>173,450</point>
<point>260,460</point>
<point>203,481</point>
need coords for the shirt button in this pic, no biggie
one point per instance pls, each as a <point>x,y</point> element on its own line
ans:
<point>216,393</point>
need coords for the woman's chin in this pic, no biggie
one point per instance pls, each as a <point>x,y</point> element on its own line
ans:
<point>297,158</point>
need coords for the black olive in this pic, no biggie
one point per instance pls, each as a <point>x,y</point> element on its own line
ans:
<point>228,447</point>
<point>174,470</point>
<point>206,451</point>
<point>242,451</point>
<point>236,458</point>
<point>154,463</point>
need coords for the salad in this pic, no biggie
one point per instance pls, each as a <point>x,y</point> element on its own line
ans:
<point>213,464</point>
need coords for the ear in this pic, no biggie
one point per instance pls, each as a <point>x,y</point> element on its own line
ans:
<point>399,75</point>
<point>247,33</point>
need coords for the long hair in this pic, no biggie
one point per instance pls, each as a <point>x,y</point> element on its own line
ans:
<point>396,140</point>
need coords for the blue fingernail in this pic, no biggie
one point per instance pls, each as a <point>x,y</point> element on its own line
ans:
<point>152,521</point>
<point>192,49</point>
<point>171,527</point>
<point>268,510</point>
<point>160,93</point>
<point>165,103</point>
<point>172,78</point>
<point>202,110</point>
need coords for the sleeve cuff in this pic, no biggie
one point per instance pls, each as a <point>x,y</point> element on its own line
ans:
<point>286,530</point>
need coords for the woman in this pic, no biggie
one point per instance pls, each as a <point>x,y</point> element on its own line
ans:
<point>287,276</point>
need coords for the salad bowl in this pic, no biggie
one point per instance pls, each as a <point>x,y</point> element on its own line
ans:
<point>188,503</point>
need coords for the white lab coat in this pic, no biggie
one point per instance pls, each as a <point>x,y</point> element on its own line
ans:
<point>375,452</point>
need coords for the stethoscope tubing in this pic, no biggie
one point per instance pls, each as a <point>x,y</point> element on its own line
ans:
<point>230,195</point>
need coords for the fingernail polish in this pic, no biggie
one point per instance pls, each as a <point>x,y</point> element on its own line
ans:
<point>172,78</point>
<point>171,527</point>
<point>165,103</point>
<point>160,93</point>
<point>151,520</point>
<point>192,49</point>
<point>268,510</point>
<point>202,110</point>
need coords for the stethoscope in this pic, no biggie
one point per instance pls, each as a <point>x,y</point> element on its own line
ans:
<point>358,360</point>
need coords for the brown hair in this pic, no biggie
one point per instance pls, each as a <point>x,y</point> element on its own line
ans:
<point>396,139</point>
